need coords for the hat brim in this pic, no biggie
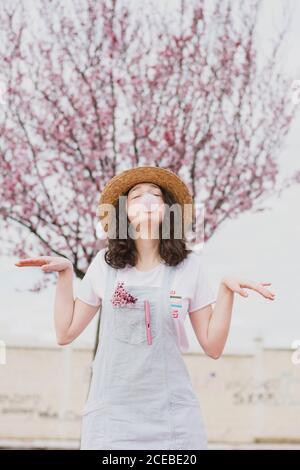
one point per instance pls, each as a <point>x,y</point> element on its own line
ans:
<point>163,177</point>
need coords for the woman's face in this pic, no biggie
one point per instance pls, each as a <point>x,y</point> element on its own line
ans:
<point>145,207</point>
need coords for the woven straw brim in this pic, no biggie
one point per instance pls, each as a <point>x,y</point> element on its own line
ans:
<point>163,177</point>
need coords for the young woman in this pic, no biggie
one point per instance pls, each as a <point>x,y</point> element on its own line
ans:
<point>146,282</point>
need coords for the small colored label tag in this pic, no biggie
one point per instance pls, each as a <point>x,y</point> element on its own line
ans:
<point>176,303</point>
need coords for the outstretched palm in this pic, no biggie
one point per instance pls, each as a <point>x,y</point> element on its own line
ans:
<point>47,263</point>
<point>238,285</point>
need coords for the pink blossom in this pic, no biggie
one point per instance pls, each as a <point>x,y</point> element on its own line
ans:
<point>121,297</point>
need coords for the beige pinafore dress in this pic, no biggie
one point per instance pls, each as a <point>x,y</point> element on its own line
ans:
<point>140,395</point>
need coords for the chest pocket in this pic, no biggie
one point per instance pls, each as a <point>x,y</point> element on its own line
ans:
<point>130,323</point>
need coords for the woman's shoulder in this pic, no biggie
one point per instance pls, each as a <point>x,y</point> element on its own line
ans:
<point>100,254</point>
<point>99,258</point>
<point>192,261</point>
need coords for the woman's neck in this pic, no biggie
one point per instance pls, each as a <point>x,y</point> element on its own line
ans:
<point>148,254</point>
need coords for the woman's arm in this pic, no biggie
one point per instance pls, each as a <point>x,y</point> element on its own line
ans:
<point>70,317</point>
<point>211,326</point>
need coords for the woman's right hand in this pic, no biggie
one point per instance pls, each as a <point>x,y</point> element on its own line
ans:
<point>47,263</point>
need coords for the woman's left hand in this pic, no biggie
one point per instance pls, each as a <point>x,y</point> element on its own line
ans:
<point>238,285</point>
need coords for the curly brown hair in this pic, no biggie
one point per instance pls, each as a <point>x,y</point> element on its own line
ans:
<point>123,252</point>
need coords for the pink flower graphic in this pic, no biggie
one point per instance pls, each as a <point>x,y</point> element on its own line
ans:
<point>121,297</point>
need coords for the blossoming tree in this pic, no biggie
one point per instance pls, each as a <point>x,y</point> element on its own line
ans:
<point>89,88</point>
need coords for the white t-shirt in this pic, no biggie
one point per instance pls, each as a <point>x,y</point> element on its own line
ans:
<point>190,283</point>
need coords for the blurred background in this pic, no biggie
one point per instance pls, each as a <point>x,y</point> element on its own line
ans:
<point>209,89</point>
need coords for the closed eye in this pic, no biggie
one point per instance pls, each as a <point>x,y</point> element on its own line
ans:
<point>159,195</point>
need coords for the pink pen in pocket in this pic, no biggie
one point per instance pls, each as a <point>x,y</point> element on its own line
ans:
<point>147,321</point>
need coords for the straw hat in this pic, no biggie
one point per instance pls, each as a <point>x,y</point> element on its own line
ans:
<point>163,177</point>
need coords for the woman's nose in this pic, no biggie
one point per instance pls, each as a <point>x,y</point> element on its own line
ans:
<point>149,201</point>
